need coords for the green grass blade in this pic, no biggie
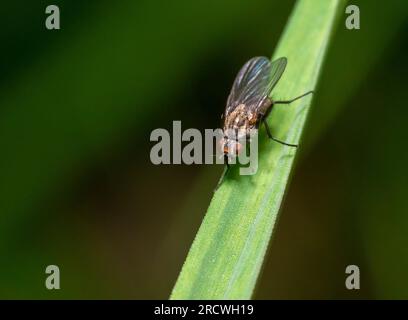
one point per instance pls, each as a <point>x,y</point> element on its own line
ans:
<point>227,254</point>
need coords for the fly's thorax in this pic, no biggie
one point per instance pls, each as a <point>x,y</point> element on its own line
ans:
<point>242,118</point>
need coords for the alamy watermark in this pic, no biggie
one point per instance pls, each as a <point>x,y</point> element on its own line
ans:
<point>353,19</point>
<point>353,279</point>
<point>52,282</point>
<point>52,22</point>
<point>214,146</point>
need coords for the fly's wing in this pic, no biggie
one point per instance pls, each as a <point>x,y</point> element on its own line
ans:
<point>254,83</point>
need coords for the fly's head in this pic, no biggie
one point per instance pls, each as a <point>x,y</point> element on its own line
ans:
<point>231,148</point>
<point>232,144</point>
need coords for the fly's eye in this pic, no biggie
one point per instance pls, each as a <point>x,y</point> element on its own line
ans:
<point>226,149</point>
<point>224,146</point>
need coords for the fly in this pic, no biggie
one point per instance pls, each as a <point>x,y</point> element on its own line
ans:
<point>249,104</point>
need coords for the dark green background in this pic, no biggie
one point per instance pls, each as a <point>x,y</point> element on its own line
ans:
<point>77,188</point>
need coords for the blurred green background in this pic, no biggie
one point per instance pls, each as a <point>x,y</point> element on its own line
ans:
<point>77,188</point>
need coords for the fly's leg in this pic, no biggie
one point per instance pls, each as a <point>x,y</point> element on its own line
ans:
<point>226,160</point>
<point>268,131</point>
<point>223,173</point>
<point>292,100</point>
